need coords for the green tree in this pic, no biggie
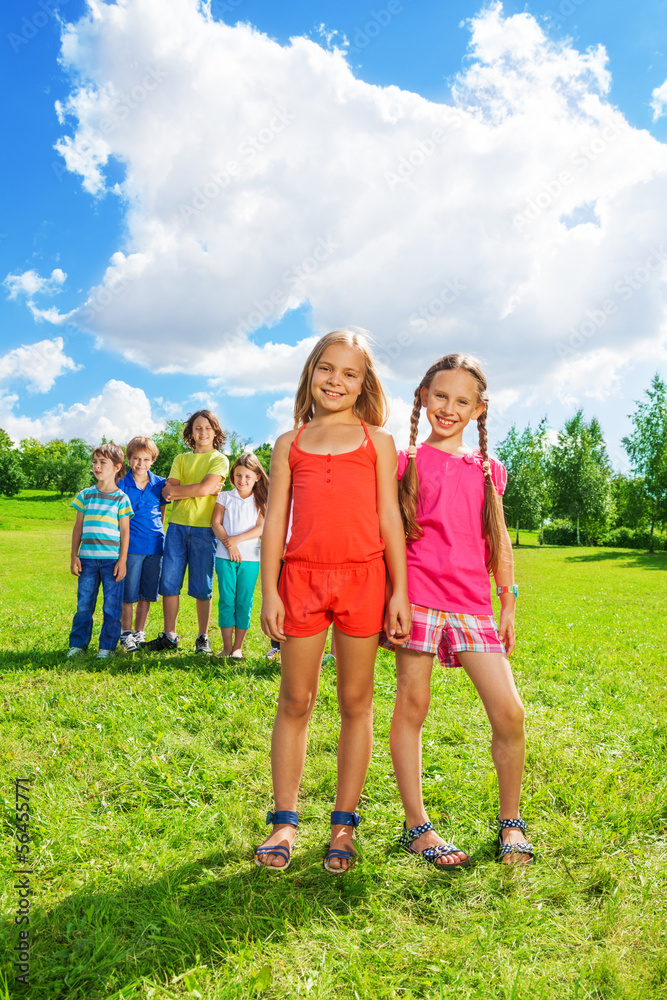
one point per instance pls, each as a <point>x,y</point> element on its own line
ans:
<point>647,449</point>
<point>264,452</point>
<point>12,480</point>
<point>32,458</point>
<point>170,443</point>
<point>632,504</point>
<point>525,498</point>
<point>579,478</point>
<point>75,470</point>
<point>6,443</point>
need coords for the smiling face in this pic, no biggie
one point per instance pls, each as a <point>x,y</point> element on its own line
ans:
<point>244,480</point>
<point>203,435</point>
<point>338,378</point>
<point>451,402</point>
<point>140,462</point>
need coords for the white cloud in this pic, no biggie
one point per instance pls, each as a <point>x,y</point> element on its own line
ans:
<point>38,364</point>
<point>659,101</point>
<point>259,177</point>
<point>118,413</point>
<point>29,283</point>
<point>282,413</point>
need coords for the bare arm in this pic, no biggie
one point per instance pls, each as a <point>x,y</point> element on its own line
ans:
<point>274,534</point>
<point>504,577</point>
<point>209,486</point>
<point>120,568</point>
<point>398,617</point>
<point>77,531</point>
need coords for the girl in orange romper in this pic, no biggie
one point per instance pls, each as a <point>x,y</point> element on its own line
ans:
<point>339,467</point>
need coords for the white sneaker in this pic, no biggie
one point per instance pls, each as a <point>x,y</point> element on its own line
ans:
<point>139,638</point>
<point>104,654</point>
<point>128,643</point>
<point>75,651</point>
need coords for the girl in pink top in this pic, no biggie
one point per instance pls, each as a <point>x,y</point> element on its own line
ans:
<point>452,511</point>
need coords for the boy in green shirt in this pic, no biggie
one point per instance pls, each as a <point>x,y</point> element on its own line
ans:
<point>195,479</point>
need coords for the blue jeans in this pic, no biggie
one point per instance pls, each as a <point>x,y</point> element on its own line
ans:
<point>94,572</point>
<point>191,548</point>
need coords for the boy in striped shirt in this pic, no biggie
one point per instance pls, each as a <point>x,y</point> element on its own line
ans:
<point>100,540</point>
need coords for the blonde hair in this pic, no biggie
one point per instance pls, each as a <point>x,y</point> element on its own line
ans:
<point>261,488</point>
<point>493,522</point>
<point>142,444</point>
<point>115,455</point>
<point>371,404</point>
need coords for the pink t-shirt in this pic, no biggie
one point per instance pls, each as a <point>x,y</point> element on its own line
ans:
<point>447,565</point>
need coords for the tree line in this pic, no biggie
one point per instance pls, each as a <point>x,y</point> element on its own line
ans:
<point>563,485</point>
<point>66,465</point>
<point>566,487</point>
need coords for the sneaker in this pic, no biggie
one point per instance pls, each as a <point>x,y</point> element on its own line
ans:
<point>128,643</point>
<point>75,651</point>
<point>104,654</point>
<point>162,642</point>
<point>139,638</point>
<point>273,655</point>
<point>202,645</point>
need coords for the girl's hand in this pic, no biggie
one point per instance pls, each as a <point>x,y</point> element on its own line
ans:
<point>398,620</point>
<point>234,552</point>
<point>272,618</point>
<point>506,629</point>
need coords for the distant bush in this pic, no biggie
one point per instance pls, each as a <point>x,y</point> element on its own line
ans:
<point>559,532</point>
<point>633,538</point>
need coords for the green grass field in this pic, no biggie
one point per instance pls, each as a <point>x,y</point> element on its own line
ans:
<point>150,782</point>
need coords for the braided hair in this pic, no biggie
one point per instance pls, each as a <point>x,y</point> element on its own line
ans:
<point>493,522</point>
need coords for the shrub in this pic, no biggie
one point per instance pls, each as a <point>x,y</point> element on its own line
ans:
<point>559,532</point>
<point>633,538</point>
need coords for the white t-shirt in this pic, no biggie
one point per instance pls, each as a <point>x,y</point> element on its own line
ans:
<point>240,515</point>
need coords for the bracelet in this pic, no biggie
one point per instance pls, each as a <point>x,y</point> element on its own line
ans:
<point>508,590</point>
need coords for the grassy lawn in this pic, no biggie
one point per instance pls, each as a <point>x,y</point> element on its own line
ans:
<point>150,783</point>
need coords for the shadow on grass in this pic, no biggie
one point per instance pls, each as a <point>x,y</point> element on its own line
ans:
<point>138,663</point>
<point>95,943</point>
<point>636,558</point>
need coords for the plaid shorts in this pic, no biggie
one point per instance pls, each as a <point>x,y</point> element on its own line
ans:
<point>447,634</point>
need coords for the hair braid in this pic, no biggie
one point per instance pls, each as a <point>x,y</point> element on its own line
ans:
<point>493,522</point>
<point>408,487</point>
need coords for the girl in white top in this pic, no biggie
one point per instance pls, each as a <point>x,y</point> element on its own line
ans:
<point>238,521</point>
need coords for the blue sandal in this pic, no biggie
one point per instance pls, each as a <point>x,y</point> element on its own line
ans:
<point>521,848</point>
<point>346,819</point>
<point>431,854</point>
<point>283,816</point>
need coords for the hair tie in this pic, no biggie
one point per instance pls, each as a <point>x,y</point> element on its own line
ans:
<point>412,451</point>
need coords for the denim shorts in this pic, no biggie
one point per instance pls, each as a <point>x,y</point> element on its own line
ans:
<point>142,577</point>
<point>191,548</point>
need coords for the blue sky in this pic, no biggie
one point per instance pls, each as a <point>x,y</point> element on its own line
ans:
<point>499,187</point>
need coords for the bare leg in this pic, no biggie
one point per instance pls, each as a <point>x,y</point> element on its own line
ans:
<point>170,612</point>
<point>203,615</point>
<point>413,698</point>
<point>300,673</point>
<point>492,676</point>
<point>239,636</point>
<point>141,617</point>
<point>226,634</point>
<point>126,617</point>
<point>355,663</point>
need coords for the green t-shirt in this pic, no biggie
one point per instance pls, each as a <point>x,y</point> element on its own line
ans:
<point>189,468</point>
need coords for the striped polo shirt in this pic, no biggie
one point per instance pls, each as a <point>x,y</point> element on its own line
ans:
<point>102,513</point>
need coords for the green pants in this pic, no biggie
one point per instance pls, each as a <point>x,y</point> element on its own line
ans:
<point>236,585</point>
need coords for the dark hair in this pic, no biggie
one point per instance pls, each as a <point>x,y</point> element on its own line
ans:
<point>115,455</point>
<point>219,435</point>
<point>261,488</point>
<point>493,522</point>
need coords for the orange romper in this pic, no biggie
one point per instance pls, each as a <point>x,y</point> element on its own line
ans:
<point>334,566</point>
